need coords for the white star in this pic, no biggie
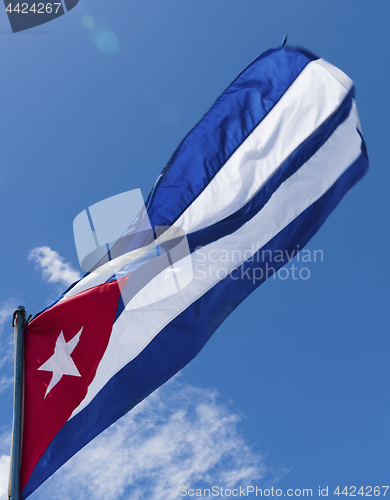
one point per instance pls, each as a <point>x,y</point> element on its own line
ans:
<point>61,363</point>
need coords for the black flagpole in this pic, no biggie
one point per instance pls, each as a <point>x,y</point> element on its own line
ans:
<point>19,321</point>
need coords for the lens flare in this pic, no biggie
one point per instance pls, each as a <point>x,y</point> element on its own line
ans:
<point>88,21</point>
<point>107,42</point>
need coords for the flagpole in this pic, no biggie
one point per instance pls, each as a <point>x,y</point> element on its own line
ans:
<point>19,321</point>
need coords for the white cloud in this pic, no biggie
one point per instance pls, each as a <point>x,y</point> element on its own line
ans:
<point>6,311</point>
<point>180,436</point>
<point>6,335</point>
<point>4,474</point>
<point>54,268</point>
<point>5,383</point>
<point>5,440</point>
<point>5,443</point>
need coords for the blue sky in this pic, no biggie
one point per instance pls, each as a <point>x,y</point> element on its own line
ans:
<point>293,389</point>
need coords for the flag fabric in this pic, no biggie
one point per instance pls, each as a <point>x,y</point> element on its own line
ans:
<point>259,174</point>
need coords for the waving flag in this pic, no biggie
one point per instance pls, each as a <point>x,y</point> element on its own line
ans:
<point>259,174</point>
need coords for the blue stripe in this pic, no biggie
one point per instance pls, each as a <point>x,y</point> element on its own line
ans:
<point>182,339</point>
<point>237,112</point>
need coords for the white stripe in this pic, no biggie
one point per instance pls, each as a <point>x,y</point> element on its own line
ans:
<point>337,73</point>
<point>105,272</point>
<point>134,330</point>
<point>308,102</point>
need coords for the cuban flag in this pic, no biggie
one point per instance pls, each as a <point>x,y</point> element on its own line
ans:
<point>259,174</point>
